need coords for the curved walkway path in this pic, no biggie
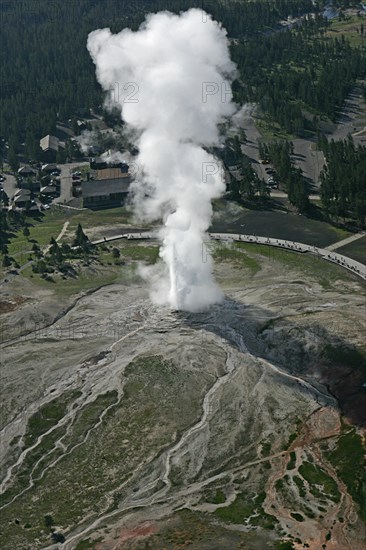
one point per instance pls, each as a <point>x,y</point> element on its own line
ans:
<point>322,253</point>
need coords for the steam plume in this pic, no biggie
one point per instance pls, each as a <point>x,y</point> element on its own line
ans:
<point>171,81</point>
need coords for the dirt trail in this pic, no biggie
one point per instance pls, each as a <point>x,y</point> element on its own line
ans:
<point>59,236</point>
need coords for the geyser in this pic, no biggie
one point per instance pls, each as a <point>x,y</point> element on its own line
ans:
<point>171,81</point>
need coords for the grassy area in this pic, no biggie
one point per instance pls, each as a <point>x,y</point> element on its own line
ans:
<point>223,253</point>
<point>99,268</point>
<point>87,280</point>
<point>187,529</point>
<point>215,497</point>
<point>340,232</point>
<point>348,458</point>
<point>271,130</point>
<point>85,544</point>
<point>348,28</point>
<point>142,253</point>
<point>245,509</point>
<point>50,223</point>
<point>95,218</point>
<point>163,400</point>
<point>279,225</point>
<point>284,545</point>
<point>89,416</point>
<point>300,486</point>
<point>40,230</point>
<point>292,462</point>
<point>291,438</point>
<point>309,264</point>
<point>355,250</point>
<point>46,450</point>
<point>96,268</point>
<point>47,416</point>
<point>319,481</point>
<point>39,423</point>
<point>129,250</point>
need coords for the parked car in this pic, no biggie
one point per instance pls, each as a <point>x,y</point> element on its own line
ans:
<point>76,174</point>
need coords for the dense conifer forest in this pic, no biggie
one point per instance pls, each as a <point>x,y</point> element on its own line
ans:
<point>46,70</point>
<point>291,71</point>
<point>343,179</point>
<point>297,77</point>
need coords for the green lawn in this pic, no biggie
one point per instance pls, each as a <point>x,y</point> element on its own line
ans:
<point>94,218</point>
<point>41,230</point>
<point>51,222</point>
<point>148,254</point>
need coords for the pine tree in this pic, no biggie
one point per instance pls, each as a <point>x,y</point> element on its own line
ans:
<point>6,261</point>
<point>13,159</point>
<point>81,239</point>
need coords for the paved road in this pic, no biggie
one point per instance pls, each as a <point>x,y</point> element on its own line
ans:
<point>352,118</point>
<point>310,160</point>
<point>250,147</point>
<point>10,184</point>
<point>343,261</point>
<point>66,180</point>
<point>305,157</point>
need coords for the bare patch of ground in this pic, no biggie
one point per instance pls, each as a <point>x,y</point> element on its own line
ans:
<point>163,429</point>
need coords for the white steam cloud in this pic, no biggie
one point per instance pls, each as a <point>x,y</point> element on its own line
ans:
<point>171,80</point>
<point>86,140</point>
